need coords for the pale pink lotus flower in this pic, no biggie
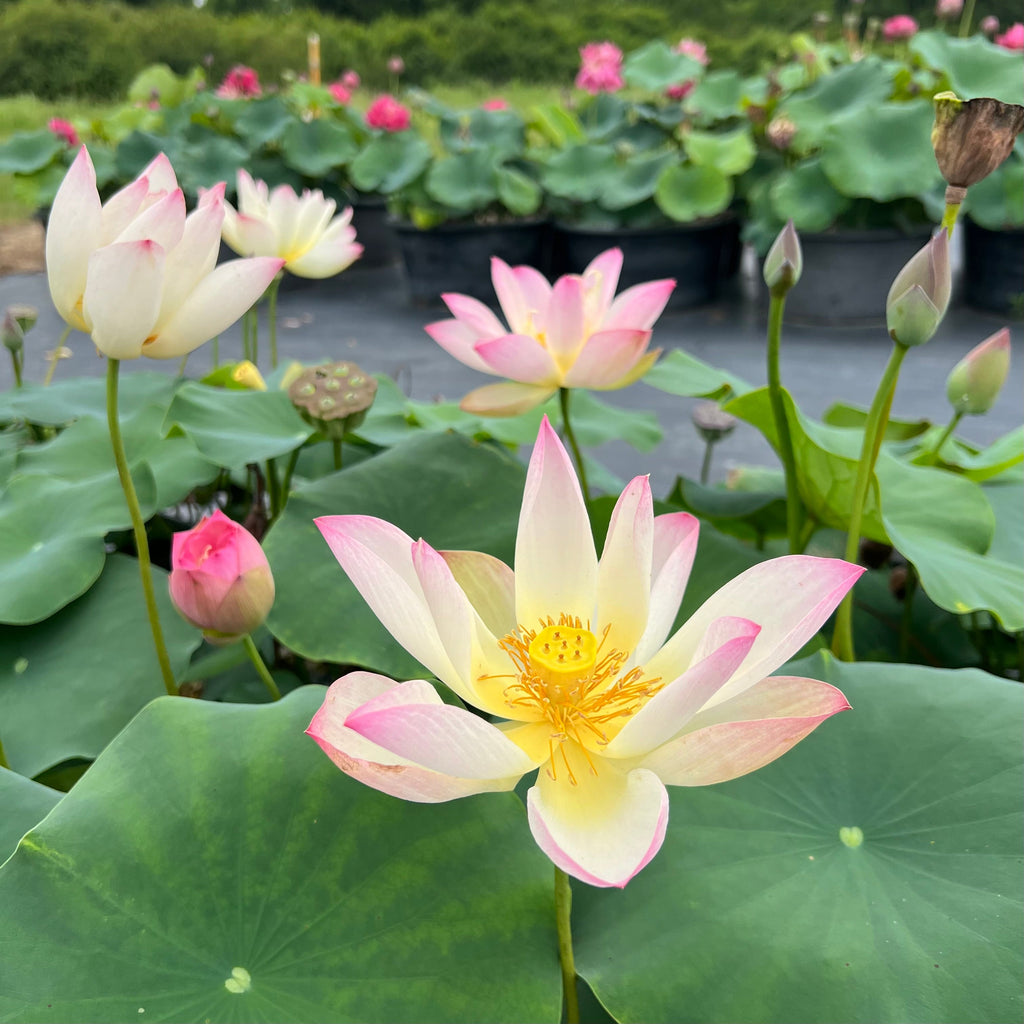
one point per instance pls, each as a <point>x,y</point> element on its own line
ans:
<point>388,114</point>
<point>351,80</point>
<point>1012,38</point>
<point>946,9</point>
<point>989,25</point>
<point>573,334</point>
<point>694,49</point>
<point>899,26</point>
<point>339,93</point>
<point>497,103</point>
<point>571,653</point>
<point>136,273</point>
<point>600,69</point>
<point>64,130</point>
<point>396,65</point>
<point>220,579</point>
<point>240,82</point>
<point>302,230</point>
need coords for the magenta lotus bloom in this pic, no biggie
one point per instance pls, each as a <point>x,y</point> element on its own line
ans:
<point>240,83</point>
<point>1012,38</point>
<point>351,80</point>
<point>339,93</point>
<point>601,68</point>
<point>396,65</point>
<point>568,335</point>
<point>570,652</point>
<point>989,25</point>
<point>220,580</point>
<point>64,130</point>
<point>388,114</point>
<point>139,275</point>
<point>899,26</point>
<point>497,103</point>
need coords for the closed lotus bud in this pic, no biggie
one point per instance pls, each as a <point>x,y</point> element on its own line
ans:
<point>780,132</point>
<point>975,382</point>
<point>784,262</point>
<point>334,397</point>
<point>920,294</point>
<point>989,25</point>
<point>971,138</point>
<point>220,580</point>
<point>712,422</point>
<point>25,315</point>
<point>13,335</point>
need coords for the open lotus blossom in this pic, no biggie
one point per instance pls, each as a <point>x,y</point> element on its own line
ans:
<point>240,83</point>
<point>899,26</point>
<point>387,114</point>
<point>339,93</point>
<point>64,130</point>
<point>567,335</point>
<point>570,652</point>
<point>297,229</point>
<point>600,68</point>
<point>137,273</point>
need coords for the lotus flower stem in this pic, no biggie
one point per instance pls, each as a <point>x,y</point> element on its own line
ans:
<point>563,401</point>
<point>138,528</point>
<point>254,333</point>
<point>16,365</point>
<point>272,318</point>
<point>289,470</point>
<point>182,365</point>
<point>949,216</point>
<point>906,620</point>
<point>261,669</point>
<point>336,446</point>
<point>933,456</point>
<point>273,489</point>
<point>55,358</point>
<point>966,18</point>
<point>794,506</point>
<point>563,912</point>
<point>3,757</point>
<point>215,351</point>
<point>874,431</point>
<point>705,466</point>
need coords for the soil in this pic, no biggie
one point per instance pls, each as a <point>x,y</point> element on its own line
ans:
<point>21,248</point>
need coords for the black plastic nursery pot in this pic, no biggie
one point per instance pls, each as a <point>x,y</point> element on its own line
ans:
<point>374,232</point>
<point>699,256</point>
<point>847,275</point>
<point>994,269</point>
<point>457,257</point>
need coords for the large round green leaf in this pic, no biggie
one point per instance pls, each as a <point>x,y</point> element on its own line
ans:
<point>28,152</point>
<point>730,152</point>
<point>870,875</point>
<point>262,121</point>
<point>579,172</point>
<point>466,181</point>
<point>315,148</point>
<point>686,193</point>
<point>716,97</point>
<point>214,866</point>
<point>70,684</point>
<point>635,181</point>
<point>656,66</point>
<point>390,162</point>
<point>442,487</point>
<point>25,803</point>
<point>975,66</point>
<point>806,196</point>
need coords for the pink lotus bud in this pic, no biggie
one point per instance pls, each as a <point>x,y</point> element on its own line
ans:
<point>920,294</point>
<point>989,25</point>
<point>388,114</point>
<point>784,262</point>
<point>680,90</point>
<point>900,26</point>
<point>396,65</point>
<point>1012,38</point>
<point>339,93</point>
<point>351,80</point>
<point>948,9</point>
<point>240,83</point>
<point>220,580</point>
<point>975,382</point>
<point>64,130</point>
<point>694,49</point>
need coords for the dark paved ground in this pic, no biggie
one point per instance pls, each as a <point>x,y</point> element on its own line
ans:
<point>363,315</point>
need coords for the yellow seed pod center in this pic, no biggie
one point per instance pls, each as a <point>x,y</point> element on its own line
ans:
<point>560,653</point>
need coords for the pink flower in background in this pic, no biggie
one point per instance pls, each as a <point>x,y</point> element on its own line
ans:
<point>396,65</point>
<point>694,49</point>
<point>947,9</point>
<point>388,114</point>
<point>64,130</point>
<point>680,90</point>
<point>1012,38</point>
<point>239,83</point>
<point>220,580</point>
<point>350,80</point>
<point>601,68</point>
<point>574,654</point>
<point>339,93</point>
<point>899,26</point>
<point>494,104</point>
<point>989,25</point>
<point>567,335</point>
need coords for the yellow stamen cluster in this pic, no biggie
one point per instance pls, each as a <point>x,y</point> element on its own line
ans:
<point>562,677</point>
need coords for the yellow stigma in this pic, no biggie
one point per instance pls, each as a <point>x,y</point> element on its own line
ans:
<point>561,653</point>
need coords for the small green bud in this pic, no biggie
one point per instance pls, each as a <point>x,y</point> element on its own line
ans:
<point>975,382</point>
<point>13,335</point>
<point>784,262</point>
<point>919,296</point>
<point>25,315</point>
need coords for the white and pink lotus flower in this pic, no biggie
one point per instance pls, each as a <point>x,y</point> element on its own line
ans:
<point>572,653</point>
<point>575,333</point>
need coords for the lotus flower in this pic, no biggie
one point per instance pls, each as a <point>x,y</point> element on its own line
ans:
<point>570,652</point>
<point>600,69</point>
<point>339,93</point>
<point>240,83</point>
<point>974,383</point>
<point>1012,38</point>
<point>136,273</point>
<point>919,295</point>
<point>297,229</point>
<point>64,130</point>
<point>387,114</point>
<point>567,335</point>
<point>899,26</point>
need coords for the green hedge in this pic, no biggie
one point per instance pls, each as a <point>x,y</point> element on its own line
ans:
<point>55,48</point>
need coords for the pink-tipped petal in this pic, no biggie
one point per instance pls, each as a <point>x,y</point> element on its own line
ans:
<point>163,222</point>
<point>601,278</point>
<point>556,564</point>
<point>160,174</point>
<point>563,321</point>
<point>214,305</point>
<point>391,772</point>
<point>600,828</point>
<point>457,339</point>
<point>520,358</point>
<point>490,586</point>
<point>122,296</point>
<point>507,399</point>
<point>122,207</point>
<point>250,236</point>
<point>535,288</point>
<point>520,317</point>
<point>675,545</point>
<point>723,649</point>
<point>606,358</point>
<point>624,572</point>
<point>745,733</point>
<point>475,315</point>
<point>639,306</point>
<point>193,257</point>
<point>789,598</point>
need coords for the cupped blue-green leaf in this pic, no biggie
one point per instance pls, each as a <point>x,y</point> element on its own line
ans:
<point>28,152</point>
<point>871,874</point>
<point>316,147</point>
<point>976,464</point>
<point>805,195</point>
<point>233,428</point>
<point>25,803</point>
<point>997,202</point>
<point>139,148</point>
<point>465,182</point>
<point>730,152</point>
<point>751,515</point>
<point>390,162</point>
<point>680,373</point>
<point>686,193</point>
<point>717,96</point>
<point>634,181</point>
<point>842,414</point>
<point>439,486</point>
<point>974,66</point>
<point>579,172</point>
<point>558,125</point>
<point>262,121</point>
<point>502,132</point>
<point>882,152</point>
<point>70,684</point>
<point>204,164</point>
<point>656,66</point>
<point>214,865</point>
<point>518,192</point>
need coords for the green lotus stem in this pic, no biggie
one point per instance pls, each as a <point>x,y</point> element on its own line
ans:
<point>254,334</point>
<point>246,347</point>
<point>570,436</point>
<point>272,317</point>
<point>933,456</point>
<point>182,364</point>
<point>138,528</point>
<point>794,506</point>
<point>705,466</point>
<point>1020,655</point>
<point>563,913</point>
<point>273,489</point>
<point>289,470</point>
<point>966,18</point>
<point>16,364</point>
<point>4,763</point>
<point>949,216</point>
<point>261,669</point>
<point>215,351</point>
<point>336,447</point>
<point>55,358</point>
<point>906,620</point>
<point>874,432</point>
